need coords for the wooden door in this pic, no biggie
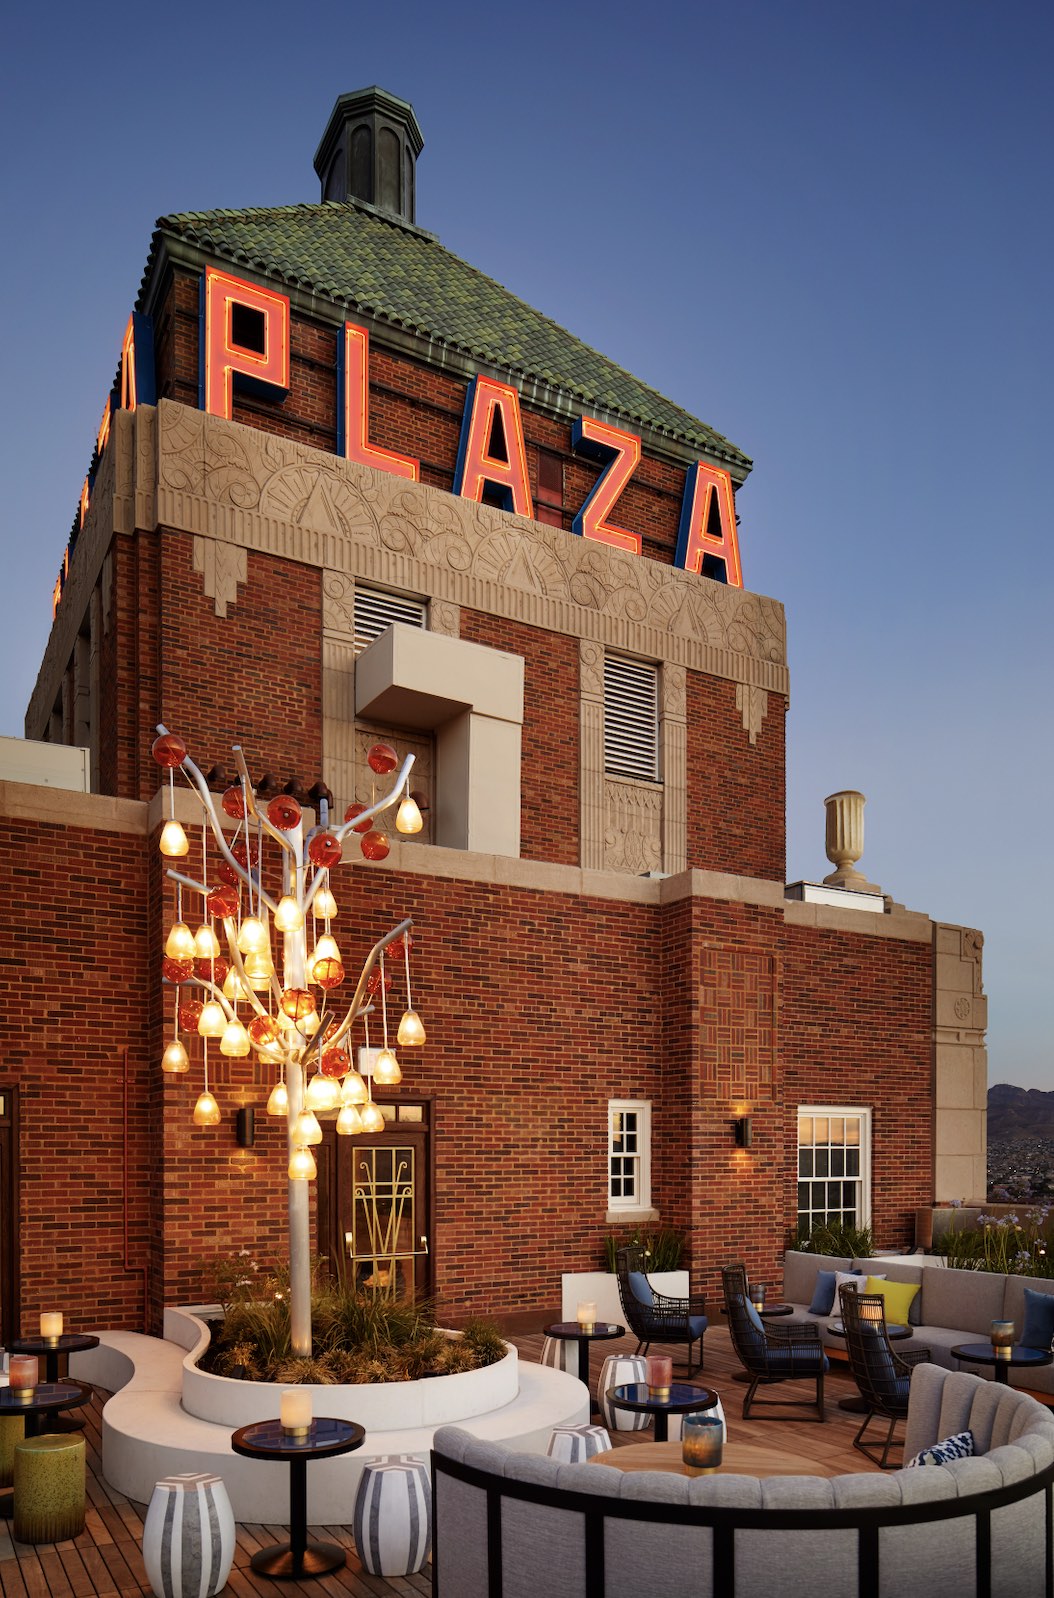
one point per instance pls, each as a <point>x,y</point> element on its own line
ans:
<point>375,1204</point>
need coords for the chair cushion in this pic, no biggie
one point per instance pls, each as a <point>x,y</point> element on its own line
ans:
<point>640,1287</point>
<point>780,1362</point>
<point>753,1317</point>
<point>960,1446</point>
<point>1038,1330</point>
<point>697,1325</point>
<point>898,1297</point>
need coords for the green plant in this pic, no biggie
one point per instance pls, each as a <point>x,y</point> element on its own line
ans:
<point>1009,1244</point>
<point>663,1249</point>
<point>834,1237</point>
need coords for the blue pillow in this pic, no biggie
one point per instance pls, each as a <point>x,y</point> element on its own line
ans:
<point>822,1302</point>
<point>640,1287</point>
<point>1038,1330</point>
<point>754,1317</point>
<point>958,1447</point>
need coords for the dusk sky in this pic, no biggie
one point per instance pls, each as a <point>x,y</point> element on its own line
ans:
<point>824,228</point>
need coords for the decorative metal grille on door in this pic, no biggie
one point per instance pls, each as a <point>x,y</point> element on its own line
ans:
<point>385,1239</point>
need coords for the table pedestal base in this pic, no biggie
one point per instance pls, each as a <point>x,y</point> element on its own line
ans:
<point>285,1564</point>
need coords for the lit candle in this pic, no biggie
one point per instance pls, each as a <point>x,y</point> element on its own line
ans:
<point>294,1410</point>
<point>659,1368</point>
<point>51,1325</point>
<point>1002,1339</point>
<point>24,1373</point>
<point>702,1437</point>
<point>587,1316</point>
<point>757,1296</point>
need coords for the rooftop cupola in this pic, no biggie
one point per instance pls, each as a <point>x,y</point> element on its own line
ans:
<point>369,152</point>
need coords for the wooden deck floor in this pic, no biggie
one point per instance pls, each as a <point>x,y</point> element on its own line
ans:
<point>106,1557</point>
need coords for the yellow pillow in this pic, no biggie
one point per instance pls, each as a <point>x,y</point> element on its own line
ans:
<point>899,1297</point>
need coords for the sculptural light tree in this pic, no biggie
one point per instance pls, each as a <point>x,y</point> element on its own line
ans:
<point>293,1019</point>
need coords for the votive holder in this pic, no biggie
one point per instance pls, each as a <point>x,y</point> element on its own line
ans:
<point>587,1317</point>
<point>23,1373</point>
<point>658,1370</point>
<point>294,1411</point>
<point>51,1326</point>
<point>1002,1334</point>
<point>757,1296</point>
<point>702,1439</point>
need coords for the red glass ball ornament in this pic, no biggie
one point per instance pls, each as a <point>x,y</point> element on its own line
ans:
<point>284,812</point>
<point>169,750</point>
<point>375,845</point>
<point>374,980</point>
<point>382,759</point>
<point>262,1030</point>
<point>246,853</point>
<point>297,1002</point>
<point>177,970</point>
<point>324,850</point>
<point>327,973</point>
<point>356,810</point>
<point>233,803</point>
<point>222,901</point>
<point>190,1014</point>
<point>334,1062</point>
<point>212,970</point>
<point>227,872</point>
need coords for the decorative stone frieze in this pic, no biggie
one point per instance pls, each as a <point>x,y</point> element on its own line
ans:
<point>632,827</point>
<point>223,567</point>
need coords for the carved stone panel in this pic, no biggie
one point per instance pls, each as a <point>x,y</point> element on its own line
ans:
<point>632,827</point>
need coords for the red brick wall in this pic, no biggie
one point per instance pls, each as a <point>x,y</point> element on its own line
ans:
<point>736,789</point>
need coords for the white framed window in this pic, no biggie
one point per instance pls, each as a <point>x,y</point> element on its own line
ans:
<point>631,718</point>
<point>834,1164</point>
<point>375,611</point>
<point>629,1154</point>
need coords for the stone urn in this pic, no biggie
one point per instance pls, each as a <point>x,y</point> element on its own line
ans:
<point>845,840</point>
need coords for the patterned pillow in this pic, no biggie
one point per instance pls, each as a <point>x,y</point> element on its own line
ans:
<point>958,1447</point>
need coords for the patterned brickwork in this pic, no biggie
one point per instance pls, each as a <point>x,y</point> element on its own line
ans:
<point>737,787</point>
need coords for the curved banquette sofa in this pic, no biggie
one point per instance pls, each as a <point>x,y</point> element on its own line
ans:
<point>512,1525</point>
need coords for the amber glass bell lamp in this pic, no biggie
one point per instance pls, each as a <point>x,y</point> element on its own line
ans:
<point>173,841</point>
<point>306,1128</point>
<point>302,1167</point>
<point>323,1093</point>
<point>411,1030</point>
<point>349,1121</point>
<point>326,948</point>
<point>386,1069</point>
<point>235,1041</point>
<point>179,945</point>
<point>323,905</point>
<point>408,818</point>
<point>372,1119</point>
<point>278,1103</point>
<point>206,1111</point>
<point>252,936</point>
<point>289,916</point>
<point>353,1089</point>
<point>206,944</point>
<point>212,1023</point>
<point>175,1058</point>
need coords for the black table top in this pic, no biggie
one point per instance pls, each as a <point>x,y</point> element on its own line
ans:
<point>68,1343</point>
<point>44,1396</point>
<point>1020,1354</point>
<point>265,1439</point>
<point>683,1396</point>
<point>568,1329</point>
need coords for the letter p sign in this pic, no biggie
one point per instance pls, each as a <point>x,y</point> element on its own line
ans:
<point>244,341</point>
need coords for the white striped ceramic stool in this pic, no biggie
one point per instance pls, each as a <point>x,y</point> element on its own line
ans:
<point>561,1353</point>
<point>620,1370</point>
<point>573,1445</point>
<point>393,1515</point>
<point>188,1536</point>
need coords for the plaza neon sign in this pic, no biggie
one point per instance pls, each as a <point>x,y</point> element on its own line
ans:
<point>244,345</point>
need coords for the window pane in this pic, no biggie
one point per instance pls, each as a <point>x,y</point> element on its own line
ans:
<point>820,1132</point>
<point>852,1162</point>
<point>823,1162</point>
<point>852,1130</point>
<point>805,1162</point>
<point>805,1129</point>
<point>837,1162</point>
<point>837,1129</point>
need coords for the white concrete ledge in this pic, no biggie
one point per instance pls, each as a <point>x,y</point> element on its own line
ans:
<point>148,1431</point>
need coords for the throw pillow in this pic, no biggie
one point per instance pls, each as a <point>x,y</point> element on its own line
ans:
<point>754,1317</point>
<point>853,1278</point>
<point>822,1301</point>
<point>958,1447</point>
<point>899,1297</point>
<point>640,1287</point>
<point>1038,1330</point>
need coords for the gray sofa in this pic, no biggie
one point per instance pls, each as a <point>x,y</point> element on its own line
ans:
<point>511,1525</point>
<point>952,1306</point>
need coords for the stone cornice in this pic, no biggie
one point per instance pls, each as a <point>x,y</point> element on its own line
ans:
<point>24,801</point>
<point>223,480</point>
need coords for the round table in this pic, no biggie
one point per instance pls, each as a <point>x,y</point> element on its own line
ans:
<point>740,1459</point>
<point>266,1440</point>
<point>858,1404</point>
<point>52,1348</point>
<point>571,1332</point>
<point>1020,1356</point>
<point>683,1398</point>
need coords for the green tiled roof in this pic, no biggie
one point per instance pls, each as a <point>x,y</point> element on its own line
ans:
<point>366,261</point>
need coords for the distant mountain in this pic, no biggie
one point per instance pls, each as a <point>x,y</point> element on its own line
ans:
<point>1019,1112</point>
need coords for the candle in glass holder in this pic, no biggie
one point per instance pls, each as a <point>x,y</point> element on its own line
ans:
<point>51,1325</point>
<point>1002,1339</point>
<point>294,1410</point>
<point>659,1371</point>
<point>702,1438</point>
<point>23,1372</point>
<point>587,1317</point>
<point>757,1296</point>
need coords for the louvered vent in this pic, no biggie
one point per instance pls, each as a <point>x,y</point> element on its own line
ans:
<point>631,718</point>
<point>374,612</point>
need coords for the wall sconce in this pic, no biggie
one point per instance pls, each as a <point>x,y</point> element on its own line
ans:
<point>246,1127</point>
<point>744,1135</point>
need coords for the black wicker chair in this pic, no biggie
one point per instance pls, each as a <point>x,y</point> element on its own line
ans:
<point>654,1317</point>
<point>784,1351</point>
<point>882,1376</point>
